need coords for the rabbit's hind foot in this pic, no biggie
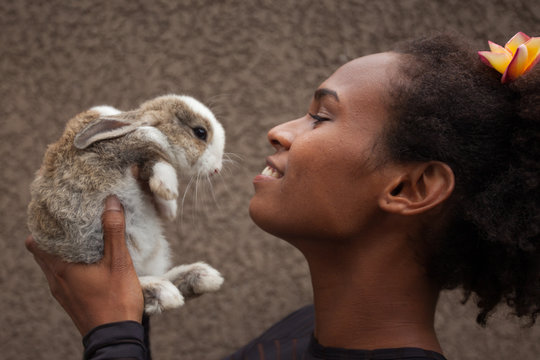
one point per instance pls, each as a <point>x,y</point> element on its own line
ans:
<point>159,294</point>
<point>195,279</point>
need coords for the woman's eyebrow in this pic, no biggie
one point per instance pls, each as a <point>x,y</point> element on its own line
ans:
<point>319,93</point>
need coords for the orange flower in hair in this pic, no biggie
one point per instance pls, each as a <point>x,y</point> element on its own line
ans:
<point>516,58</point>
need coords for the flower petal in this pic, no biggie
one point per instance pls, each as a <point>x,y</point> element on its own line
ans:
<point>533,51</point>
<point>516,41</point>
<point>496,48</point>
<point>517,66</point>
<point>498,61</point>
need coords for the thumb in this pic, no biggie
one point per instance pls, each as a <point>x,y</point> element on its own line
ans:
<point>113,222</point>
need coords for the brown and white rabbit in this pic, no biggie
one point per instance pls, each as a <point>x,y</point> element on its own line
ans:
<point>93,158</point>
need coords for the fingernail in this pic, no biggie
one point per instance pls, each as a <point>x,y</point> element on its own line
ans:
<point>112,203</point>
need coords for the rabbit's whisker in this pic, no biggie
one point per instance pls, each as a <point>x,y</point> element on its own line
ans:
<point>196,195</point>
<point>207,193</point>
<point>223,181</point>
<point>212,191</point>
<point>184,198</point>
<point>233,157</point>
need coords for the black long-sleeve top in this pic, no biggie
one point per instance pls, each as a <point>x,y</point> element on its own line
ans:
<point>290,338</point>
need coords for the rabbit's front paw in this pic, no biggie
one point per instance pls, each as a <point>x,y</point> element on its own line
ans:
<point>167,208</point>
<point>195,279</point>
<point>159,294</point>
<point>163,181</point>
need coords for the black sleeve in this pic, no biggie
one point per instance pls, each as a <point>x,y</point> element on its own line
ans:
<point>118,340</point>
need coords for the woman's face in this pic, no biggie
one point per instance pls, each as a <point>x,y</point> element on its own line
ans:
<point>323,180</point>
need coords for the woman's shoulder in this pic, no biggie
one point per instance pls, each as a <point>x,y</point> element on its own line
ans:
<point>289,337</point>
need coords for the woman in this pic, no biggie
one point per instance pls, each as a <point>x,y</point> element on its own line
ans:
<point>413,171</point>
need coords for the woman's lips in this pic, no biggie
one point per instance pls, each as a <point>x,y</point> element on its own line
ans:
<point>270,171</point>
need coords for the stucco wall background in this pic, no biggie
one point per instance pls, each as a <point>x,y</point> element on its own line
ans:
<point>256,63</point>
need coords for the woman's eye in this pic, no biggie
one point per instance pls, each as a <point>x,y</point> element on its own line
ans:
<point>318,119</point>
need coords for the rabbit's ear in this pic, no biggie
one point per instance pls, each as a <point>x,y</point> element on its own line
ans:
<point>106,128</point>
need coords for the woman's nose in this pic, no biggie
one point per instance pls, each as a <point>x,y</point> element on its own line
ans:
<point>282,136</point>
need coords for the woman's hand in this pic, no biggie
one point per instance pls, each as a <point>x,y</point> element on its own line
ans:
<point>99,293</point>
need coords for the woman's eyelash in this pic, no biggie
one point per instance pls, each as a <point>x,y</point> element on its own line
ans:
<point>318,118</point>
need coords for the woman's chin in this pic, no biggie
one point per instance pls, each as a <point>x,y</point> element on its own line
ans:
<point>264,218</point>
<point>259,214</point>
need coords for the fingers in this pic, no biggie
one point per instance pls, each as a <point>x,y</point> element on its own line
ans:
<point>30,244</point>
<point>135,171</point>
<point>116,252</point>
<point>38,254</point>
<point>50,265</point>
<point>44,260</point>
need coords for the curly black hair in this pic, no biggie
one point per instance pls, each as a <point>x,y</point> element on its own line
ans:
<point>447,105</point>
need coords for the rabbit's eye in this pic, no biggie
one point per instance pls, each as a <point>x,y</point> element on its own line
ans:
<point>200,133</point>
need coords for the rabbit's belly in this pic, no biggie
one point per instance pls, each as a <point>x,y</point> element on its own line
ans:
<point>144,234</point>
<point>149,250</point>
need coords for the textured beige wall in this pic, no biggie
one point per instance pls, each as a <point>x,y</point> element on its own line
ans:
<point>256,63</point>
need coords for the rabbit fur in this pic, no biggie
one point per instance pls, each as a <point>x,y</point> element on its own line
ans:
<point>166,136</point>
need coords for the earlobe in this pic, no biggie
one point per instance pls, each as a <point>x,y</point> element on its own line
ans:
<point>420,188</point>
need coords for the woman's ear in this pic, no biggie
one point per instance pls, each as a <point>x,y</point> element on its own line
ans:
<point>420,187</point>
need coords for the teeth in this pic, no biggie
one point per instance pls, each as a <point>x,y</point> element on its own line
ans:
<point>270,171</point>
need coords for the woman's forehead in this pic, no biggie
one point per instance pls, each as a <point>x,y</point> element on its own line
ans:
<point>363,79</point>
<point>370,68</point>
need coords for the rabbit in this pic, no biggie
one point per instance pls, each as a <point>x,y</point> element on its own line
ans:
<point>93,159</point>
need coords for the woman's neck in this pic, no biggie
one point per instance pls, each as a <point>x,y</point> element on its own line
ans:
<point>371,296</point>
